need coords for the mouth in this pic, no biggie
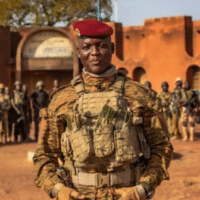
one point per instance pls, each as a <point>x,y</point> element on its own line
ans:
<point>95,62</point>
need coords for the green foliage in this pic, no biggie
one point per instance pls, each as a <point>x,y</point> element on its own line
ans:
<point>15,13</point>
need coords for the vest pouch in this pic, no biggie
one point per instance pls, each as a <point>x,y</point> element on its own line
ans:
<point>104,140</point>
<point>81,144</point>
<point>65,146</point>
<point>126,144</point>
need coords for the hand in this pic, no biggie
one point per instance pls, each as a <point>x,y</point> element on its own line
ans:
<point>67,193</point>
<point>130,193</point>
<point>18,112</point>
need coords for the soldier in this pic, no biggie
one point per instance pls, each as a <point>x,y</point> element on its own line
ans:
<point>166,99</point>
<point>177,101</point>
<point>189,109</point>
<point>153,92</point>
<point>28,115</point>
<point>96,125</point>
<point>153,96</point>
<point>10,114</point>
<point>17,102</point>
<point>40,99</point>
<point>4,107</point>
<point>55,85</point>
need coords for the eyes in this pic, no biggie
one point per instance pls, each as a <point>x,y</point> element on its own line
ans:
<point>99,46</point>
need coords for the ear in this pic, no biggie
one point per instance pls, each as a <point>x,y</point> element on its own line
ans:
<point>78,51</point>
<point>112,47</point>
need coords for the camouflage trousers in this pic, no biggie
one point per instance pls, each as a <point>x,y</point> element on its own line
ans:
<point>187,116</point>
<point>4,133</point>
<point>175,125</point>
<point>169,122</point>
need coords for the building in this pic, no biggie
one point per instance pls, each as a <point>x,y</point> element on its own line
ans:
<point>160,50</point>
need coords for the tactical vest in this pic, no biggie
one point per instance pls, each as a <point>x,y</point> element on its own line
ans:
<point>101,130</point>
<point>18,97</point>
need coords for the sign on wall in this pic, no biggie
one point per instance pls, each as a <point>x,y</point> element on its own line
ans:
<point>47,44</point>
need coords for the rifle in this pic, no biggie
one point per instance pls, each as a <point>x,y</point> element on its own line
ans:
<point>175,105</point>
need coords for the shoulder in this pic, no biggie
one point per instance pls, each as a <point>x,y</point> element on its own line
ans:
<point>64,95</point>
<point>136,91</point>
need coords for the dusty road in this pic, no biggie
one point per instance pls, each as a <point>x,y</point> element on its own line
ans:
<point>17,174</point>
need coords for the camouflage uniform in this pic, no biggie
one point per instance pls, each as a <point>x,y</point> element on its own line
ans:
<point>17,99</point>
<point>166,99</point>
<point>53,125</point>
<point>188,112</point>
<point>177,98</point>
<point>40,99</point>
<point>5,106</point>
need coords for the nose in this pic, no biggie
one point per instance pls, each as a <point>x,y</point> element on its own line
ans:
<point>94,50</point>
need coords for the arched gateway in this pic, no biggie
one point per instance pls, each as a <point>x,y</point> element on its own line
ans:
<point>46,54</point>
<point>193,76</point>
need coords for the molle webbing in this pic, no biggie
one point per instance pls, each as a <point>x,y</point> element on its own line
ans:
<point>118,85</point>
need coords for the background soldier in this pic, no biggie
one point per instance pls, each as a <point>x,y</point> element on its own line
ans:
<point>55,85</point>
<point>27,109</point>
<point>4,107</point>
<point>40,99</point>
<point>166,99</point>
<point>89,125</point>
<point>17,102</point>
<point>189,109</point>
<point>177,101</point>
<point>10,113</point>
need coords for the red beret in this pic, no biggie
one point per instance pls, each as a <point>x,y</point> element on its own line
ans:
<point>92,28</point>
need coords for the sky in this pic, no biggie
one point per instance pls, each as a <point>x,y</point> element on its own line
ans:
<point>134,12</point>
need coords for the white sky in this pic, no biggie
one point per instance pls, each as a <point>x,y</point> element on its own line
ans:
<point>133,12</point>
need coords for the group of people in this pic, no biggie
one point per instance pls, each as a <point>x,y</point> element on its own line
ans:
<point>179,105</point>
<point>18,110</point>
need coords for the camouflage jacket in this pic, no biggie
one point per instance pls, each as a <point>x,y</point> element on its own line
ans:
<point>166,99</point>
<point>48,153</point>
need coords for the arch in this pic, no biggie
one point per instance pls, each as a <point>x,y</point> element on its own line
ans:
<point>31,33</point>
<point>139,75</point>
<point>193,76</point>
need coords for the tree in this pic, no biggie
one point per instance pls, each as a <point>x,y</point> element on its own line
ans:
<point>15,13</point>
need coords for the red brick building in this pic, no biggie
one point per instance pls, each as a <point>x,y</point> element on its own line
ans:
<point>160,50</point>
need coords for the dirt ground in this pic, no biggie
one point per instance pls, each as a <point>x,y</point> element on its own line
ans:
<point>17,174</point>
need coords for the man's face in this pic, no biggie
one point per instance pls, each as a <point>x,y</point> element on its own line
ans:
<point>95,54</point>
<point>179,84</point>
<point>40,88</point>
<point>55,83</point>
<point>165,88</point>
<point>18,87</point>
<point>7,90</point>
<point>187,85</point>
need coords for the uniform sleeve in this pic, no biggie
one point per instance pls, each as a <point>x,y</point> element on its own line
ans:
<point>49,150</point>
<point>161,149</point>
<point>155,133</point>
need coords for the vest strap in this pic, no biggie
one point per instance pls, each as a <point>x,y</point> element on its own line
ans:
<point>119,84</point>
<point>77,83</point>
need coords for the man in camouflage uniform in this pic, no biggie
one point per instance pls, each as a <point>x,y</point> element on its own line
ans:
<point>92,126</point>
<point>40,99</point>
<point>27,109</point>
<point>188,111</point>
<point>4,107</point>
<point>178,95</point>
<point>17,102</point>
<point>10,114</point>
<point>166,99</point>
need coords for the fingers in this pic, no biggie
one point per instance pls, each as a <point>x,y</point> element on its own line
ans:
<point>76,195</point>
